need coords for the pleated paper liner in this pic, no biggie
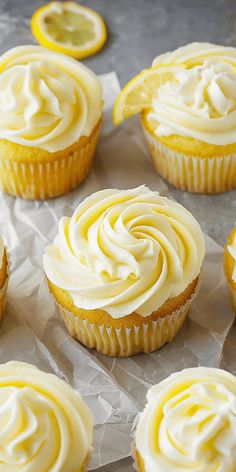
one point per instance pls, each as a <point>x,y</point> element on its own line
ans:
<point>51,176</point>
<point>124,342</point>
<point>3,291</point>
<point>192,173</point>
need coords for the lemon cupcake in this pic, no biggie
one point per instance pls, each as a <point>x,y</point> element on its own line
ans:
<point>188,423</point>
<point>3,278</point>
<point>187,102</point>
<point>230,265</point>
<point>45,424</point>
<point>50,118</point>
<point>124,269</point>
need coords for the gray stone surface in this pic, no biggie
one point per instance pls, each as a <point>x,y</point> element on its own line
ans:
<point>138,31</point>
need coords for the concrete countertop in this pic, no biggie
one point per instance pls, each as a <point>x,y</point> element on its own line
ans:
<point>138,31</point>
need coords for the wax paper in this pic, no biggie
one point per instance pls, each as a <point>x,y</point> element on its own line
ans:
<point>115,389</point>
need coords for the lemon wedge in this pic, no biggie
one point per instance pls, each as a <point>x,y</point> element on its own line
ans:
<point>69,28</point>
<point>137,95</point>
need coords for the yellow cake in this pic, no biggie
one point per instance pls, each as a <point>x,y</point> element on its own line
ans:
<point>188,423</point>
<point>51,113</point>
<point>3,278</point>
<point>190,120</point>
<point>230,265</point>
<point>124,269</point>
<point>45,424</point>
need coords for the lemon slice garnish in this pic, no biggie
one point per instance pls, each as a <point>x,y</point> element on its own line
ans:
<point>69,28</point>
<point>138,94</point>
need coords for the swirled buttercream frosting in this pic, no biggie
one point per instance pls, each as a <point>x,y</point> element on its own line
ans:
<point>44,424</point>
<point>125,251</point>
<point>200,101</point>
<point>189,423</point>
<point>47,100</point>
<point>232,250</point>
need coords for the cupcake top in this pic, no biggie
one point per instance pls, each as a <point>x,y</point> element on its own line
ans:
<point>232,250</point>
<point>125,251</point>
<point>1,251</point>
<point>45,424</point>
<point>47,100</point>
<point>189,423</point>
<point>200,102</point>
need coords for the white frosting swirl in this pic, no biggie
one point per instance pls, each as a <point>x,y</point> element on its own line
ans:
<point>44,423</point>
<point>196,53</point>
<point>232,250</point>
<point>1,251</point>
<point>189,423</point>
<point>201,101</point>
<point>47,100</point>
<point>125,251</point>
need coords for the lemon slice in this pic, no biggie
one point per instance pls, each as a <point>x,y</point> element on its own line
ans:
<point>137,95</point>
<point>69,28</point>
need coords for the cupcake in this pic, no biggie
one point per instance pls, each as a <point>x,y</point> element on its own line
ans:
<point>50,118</point>
<point>3,278</point>
<point>188,423</point>
<point>190,118</point>
<point>124,269</point>
<point>230,265</point>
<point>45,424</point>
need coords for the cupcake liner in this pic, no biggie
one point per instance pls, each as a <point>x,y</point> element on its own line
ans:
<point>48,178</point>
<point>193,173</point>
<point>3,292</point>
<point>124,342</point>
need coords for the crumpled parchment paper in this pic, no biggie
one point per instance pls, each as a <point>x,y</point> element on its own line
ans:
<point>115,389</point>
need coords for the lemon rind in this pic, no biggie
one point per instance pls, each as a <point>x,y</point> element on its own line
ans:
<point>77,52</point>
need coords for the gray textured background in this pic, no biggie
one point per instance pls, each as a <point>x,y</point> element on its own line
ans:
<point>138,31</point>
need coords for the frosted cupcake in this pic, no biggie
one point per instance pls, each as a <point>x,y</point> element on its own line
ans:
<point>188,423</point>
<point>3,278</point>
<point>188,112</point>
<point>45,424</point>
<point>230,265</point>
<point>124,269</point>
<point>50,118</point>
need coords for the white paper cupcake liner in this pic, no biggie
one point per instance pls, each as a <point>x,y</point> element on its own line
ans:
<point>193,173</point>
<point>124,342</point>
<point>49,178</point>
